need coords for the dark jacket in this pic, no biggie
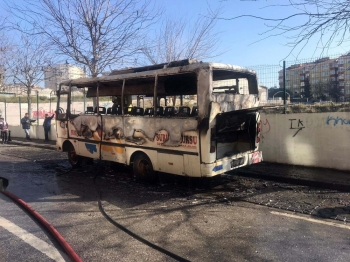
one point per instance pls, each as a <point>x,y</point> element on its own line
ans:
<point>47,121</point>
<point>25,121</point>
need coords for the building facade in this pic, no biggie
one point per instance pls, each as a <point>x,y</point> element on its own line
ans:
<point>262,94</point>
<point>326,77</point>
<point>60,72</point>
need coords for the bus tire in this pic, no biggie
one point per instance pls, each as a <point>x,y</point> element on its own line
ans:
<point>143,168</point>
<point>73,158</point>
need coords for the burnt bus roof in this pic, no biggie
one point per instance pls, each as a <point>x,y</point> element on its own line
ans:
<point>176,67</point>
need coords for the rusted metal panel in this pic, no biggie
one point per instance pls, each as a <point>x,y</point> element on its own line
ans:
<point>203,93</point>
<point>141,89</point>
<point>114,127</point>
<point>233,102</point>
<point>86,82</point>
<point>86,125</point>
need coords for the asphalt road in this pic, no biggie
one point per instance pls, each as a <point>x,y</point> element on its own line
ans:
<point>229,218</point>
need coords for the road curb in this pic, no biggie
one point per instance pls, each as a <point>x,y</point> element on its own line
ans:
<point>296,181</point>
<point>32,144</point>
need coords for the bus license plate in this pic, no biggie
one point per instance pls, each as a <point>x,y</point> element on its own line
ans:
<point>237,162</point>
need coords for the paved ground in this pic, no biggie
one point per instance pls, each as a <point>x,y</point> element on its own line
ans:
<point>262,184</point>
<point>243,216</point>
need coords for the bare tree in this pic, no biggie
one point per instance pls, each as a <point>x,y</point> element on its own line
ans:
<point>335,92</point>
<point>93,33</point>
<point>25,65</point>
<point>307,89</point>
<point>5,47</point>
<point>320,90</point>
<point>327,21</point>
<point>183,39</point>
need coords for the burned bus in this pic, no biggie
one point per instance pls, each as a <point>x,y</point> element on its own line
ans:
<point>187,118</point>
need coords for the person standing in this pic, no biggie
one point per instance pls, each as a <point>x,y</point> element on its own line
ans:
<point>26,121</point>
<point>115,106</point>
<point>47,126</point>
<point>4,127</point>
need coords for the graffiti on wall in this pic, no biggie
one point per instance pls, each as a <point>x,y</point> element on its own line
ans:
<point>296,124</point>
<point>337,121</point>
<point>265,128</point>
<point>41,113</point>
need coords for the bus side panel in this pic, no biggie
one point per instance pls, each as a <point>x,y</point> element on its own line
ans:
<point>113,153</point>
<point>164,140</point>
<point>62,134</point>
<point>171,163</point>
<point>203,94</point>
<point>192,166</point>
<point>113,148</point>
<point>61,129</point>
<point>89,149</point>
<point>86,132</point>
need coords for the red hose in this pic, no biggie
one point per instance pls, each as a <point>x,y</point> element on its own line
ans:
<point>69,250</point>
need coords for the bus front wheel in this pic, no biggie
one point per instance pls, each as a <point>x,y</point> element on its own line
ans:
<point>143,168</point>
<point>73,158</point>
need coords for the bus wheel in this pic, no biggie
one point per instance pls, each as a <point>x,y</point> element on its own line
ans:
<point>73,158</point>
<point>143,168</point>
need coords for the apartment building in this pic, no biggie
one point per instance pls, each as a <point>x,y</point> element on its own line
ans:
<point>322,74</point>
<point>57,73</point>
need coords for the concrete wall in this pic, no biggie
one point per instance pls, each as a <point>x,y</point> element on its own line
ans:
<point>14,114</point>
<point>317,139</point>
<point>36,132</point>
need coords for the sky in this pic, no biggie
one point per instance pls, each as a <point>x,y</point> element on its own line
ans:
<point>242,38</point>
<point>241,41</point>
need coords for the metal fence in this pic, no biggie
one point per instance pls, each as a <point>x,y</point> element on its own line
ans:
<point>13,109</point>
<point>311,85</point>
<point>323,82</point>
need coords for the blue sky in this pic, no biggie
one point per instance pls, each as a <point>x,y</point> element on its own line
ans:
<point>239,39</point>
<point>239,35</point>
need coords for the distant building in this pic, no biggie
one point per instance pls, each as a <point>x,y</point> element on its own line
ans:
<point>262,94</point>
<point>20,90</point>
<point>323,72</point>
<point>57,73</point>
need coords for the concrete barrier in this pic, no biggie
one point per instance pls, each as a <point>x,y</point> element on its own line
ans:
<point>36,132</point>
<point>314,139</point>
<point>306,139</point>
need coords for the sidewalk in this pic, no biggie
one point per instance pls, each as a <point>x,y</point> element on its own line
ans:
<point>39,143</point>
<point>309,176</point>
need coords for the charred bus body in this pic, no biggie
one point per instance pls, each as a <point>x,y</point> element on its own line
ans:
<point>187,118</point>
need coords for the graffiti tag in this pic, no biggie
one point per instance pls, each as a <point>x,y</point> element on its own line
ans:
<point>337,120</point>
<point>41,113</point>
<point>297,126</point>
<point>265,128</point>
